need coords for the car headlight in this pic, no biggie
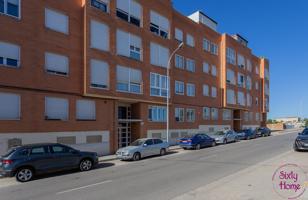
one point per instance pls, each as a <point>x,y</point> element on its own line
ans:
<point>125,153</point>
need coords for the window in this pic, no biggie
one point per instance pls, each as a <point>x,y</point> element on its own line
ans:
<point>206,114</point>
<point>99,36</point>
<point>157,114</point>
<point>206,67</point>
<point>250,116</point>
<point>227,114</point>
<point>190,88</point>
<point>129,80</point>
<point>240,61</point>
<point>266,88</point>
<point>241,98</point>
<point>206,45</point>
<point>214,49</point>
<point>129,45</point>
<point>179,62</point>
<point>10,7</point>
<point>230,76</point>
<point>159,85</point>
<point>248,83</point>
<point>9,55</point>
<point>179,35</point>
<point>214,70</point>
<point>249,65</point>
<point>257,117</point>
<point>231,96</point>
<point>56,108</point>
<point>206,90</point>
<point>59,149</point>
<point>94,139</point>
<point>179,87</point>
<point>99,4</point>
<point>214,113</point>
<point>179,114</point>
<point>190,115</point>
<point>190,65</point>
<point>257,85</point>
<point>85,110</point>
<point>159,141</point>
<point>249,100</point>
<point>56,64</point>
<point>9,106</point>
<point>66,140</point>
<point>266,74</point>
<point>231,56</point>
<point>240,80</point>
<point>257,70</point>
<point>56,21</point>
<point>149,142</point>
<point>159,55</point>
<point>99,74</point>
<point>38,151</point>
<point>246,116</point>
<point>159,24</point>
<point>130,11</point>
<point>214,92</point>
<point>190,41</point>
<point>257,101</point>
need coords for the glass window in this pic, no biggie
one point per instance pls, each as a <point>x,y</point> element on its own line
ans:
<point>149,142</point>
<point>214,49</point>
<point>206,91</point>
<point>231,59</point>
<point>99,36</point>
<point>56,21</point>
<point>38,150</point>
<point>159,55</point>
<point>59,149</point>
<point>10,7</point>
<point>159,85</point>
<point>56,64</point>
<point>129,80</point>
<point>214,113</point>
<point>85,110</point>
<point>190,115</point>
<point>159,24</point>
<point>130,11</point>
<point>190,65</point>
<point>9,54</point>
<point>214,70</point>
<point>9,106</point>
<point>231,96</point>
<point>227,114</point>
<point>179,87</point>
<point>56,108</point>
<point>99,5</point>
<point>179,114</point>
<point>206,45</point>
<point>179,61</point>
<point>158,141</point>
<point>157,114</point>
<point>206,67</point>
<point>190,88</point>
<point>99,74</point>
<point>190,40</point>
<point>214,92</point>
<point>206,113</point>
<point>178,34</point>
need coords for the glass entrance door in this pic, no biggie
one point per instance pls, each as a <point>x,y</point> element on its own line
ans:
<point>124,126</point>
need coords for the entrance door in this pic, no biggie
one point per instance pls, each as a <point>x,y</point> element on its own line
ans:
<point>237,120</point>
<point>124,126</point>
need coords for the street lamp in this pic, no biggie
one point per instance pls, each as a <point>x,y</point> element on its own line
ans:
<point>168,83</point>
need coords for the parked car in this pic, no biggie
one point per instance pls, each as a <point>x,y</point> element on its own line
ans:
<point>263,132</point>
<point>301,141</point>
<point>224,137</point>
<point>142,148</point>
<point>24,162</point>
<point>197,141</point>
<point>247,134</point>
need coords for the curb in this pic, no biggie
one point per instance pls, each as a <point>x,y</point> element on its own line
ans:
<point>115,158</point>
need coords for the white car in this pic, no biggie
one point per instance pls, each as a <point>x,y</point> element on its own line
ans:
<point>143,148</point>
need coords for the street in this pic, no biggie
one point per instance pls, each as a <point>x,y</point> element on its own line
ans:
<point>155,178</point>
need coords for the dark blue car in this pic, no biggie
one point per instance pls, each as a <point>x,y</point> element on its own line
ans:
<point>247,134</point>
<point>197,141</point>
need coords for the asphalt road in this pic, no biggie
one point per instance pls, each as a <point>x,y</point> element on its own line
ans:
<point>155,178</point>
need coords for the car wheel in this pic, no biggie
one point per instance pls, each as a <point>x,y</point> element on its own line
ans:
<point>225,141</point>
<point>136,156</point>
<point>213,144</point>
<point>85,165</point>
<point>163,152</point>
<point>24,174</point>
<point>184,148</point>
<point>197,147</point>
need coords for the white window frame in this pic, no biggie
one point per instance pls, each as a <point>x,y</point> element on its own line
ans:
<point>231,57</point>
<point>129,12</point>
<point>178,85</point>
<point>190,115</point>
<point>178,34</point>
<point>230,77</point>
<point>190,40</point>
<point>206,67</point>
<point>214,70</point>
<point>159,26</point>
<point>190,65</point>
<point>214,113</point>
<point>179,114</point>
<point>159,113</point>
<point>130,83</point>
<point>227,115</point>
<point>206,90</point>
<point>230,94</point>
<point>159,78</point>
<point>214,92</point>
<point>206,45</point>
<point>5,10</point>
<point>206,113</point>
<point>190,89</point>
<point>214,49</point>
<point>179,61</point>
<point>5,57</point>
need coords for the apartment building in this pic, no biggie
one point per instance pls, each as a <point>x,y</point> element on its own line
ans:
<point>93,74</point>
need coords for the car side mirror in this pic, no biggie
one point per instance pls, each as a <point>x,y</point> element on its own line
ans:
<point>299,133</point>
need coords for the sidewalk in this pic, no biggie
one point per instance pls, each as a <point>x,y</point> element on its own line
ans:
<point>253,183</point>
<point>114,157</point>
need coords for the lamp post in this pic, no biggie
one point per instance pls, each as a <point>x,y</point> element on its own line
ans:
<point>168,84</point>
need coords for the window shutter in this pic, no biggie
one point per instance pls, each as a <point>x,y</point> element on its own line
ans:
<point>56,108</point>
<point>123,5</point>
<point>122,74</point>
<point>135,76</point>
<point>123,43</point>
<point>164,23</point>
<point>56,62</point>
<point>154,54</point>
<point>154,17</point>
<point>178,34</point>
<point>56,21</point>
<point>99,73</point>
<point>85,110</point>
<point>99,36</point>
<point>163,56</point>
<point>135,9</point>
<point>8,50</point>
<point>135,41</point>
<point>9,106</point>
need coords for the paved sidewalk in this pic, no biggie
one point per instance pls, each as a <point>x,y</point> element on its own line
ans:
<point>253,183</point>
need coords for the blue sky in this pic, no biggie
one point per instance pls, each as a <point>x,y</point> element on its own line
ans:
<point>276,29</point>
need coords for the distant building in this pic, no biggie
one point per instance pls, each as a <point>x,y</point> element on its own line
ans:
<point>288,120</point>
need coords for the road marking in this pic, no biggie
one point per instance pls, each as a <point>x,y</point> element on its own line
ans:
<point>83,187</point>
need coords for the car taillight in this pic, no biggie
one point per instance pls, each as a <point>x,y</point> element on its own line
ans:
<point>188,140</point>
<point>7,162</point>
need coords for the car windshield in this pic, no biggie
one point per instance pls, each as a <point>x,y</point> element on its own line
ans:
<point>137,142</point>
<point>246,131</point>
<point>220,133</point>
<point>305,132</point>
